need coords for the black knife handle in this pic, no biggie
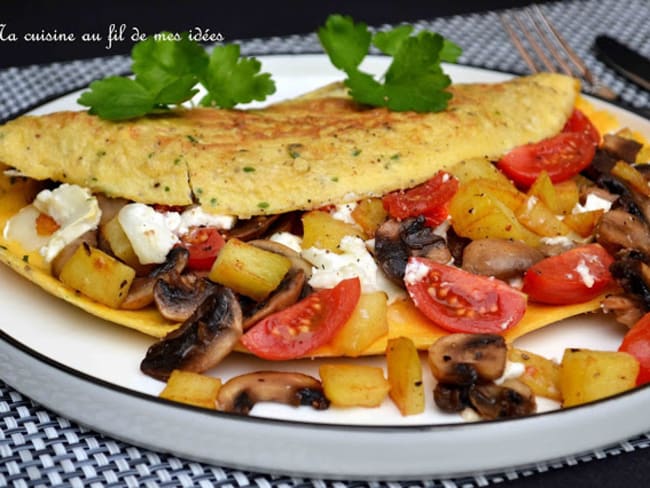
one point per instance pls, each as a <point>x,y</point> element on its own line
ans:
<point>624,60</point>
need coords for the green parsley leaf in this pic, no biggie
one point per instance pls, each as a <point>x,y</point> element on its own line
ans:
<point>389,41</point>
<point>231,79</point>
<point>168,68</point>
<point>117,98</point>
<point>413,81</point>
<point>345,42</point>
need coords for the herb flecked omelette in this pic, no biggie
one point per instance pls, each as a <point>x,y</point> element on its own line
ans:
<point>301,154</point>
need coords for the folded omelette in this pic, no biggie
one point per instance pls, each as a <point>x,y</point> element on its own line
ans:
<point>301,154</point>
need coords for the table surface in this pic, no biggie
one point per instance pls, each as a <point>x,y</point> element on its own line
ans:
<point>33,441</point>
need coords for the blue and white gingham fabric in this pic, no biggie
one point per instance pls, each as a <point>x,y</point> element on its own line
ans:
<point>40,448</point>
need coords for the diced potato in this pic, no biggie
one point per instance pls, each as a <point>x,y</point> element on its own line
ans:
<point>249,270</point>
<point>567,194</point>
<point>632,176</point>
<point>544,190</point>
<point>119,243</point>
<point>583,223</point>
<point>369,214</point>
<point>405,375</point>
<point>541,375</point>
<point>192,388</point>
<point>588,375</point>
<point>354,385</point>
<point>367,324</point>
<point>537,217</point>
<point>98,275</point>
<point>480,168</point>
<point>323,231</point>
<point>478,213</point>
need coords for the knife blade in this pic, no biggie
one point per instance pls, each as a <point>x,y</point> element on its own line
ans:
<point>624,60</point>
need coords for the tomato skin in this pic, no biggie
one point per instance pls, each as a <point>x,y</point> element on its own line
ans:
<point>556,280</point>
<point>430,199</point>
<point>306,325</point>
<point>562,156</point>
<point>637,343</point>
<point>459,301</point>
<point>203,244</point>
<point>578,122</point>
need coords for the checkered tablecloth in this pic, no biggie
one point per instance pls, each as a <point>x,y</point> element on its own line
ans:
<point>40,448</point>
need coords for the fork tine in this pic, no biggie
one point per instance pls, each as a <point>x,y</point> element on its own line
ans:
<point>575,59</point>
<point>550,46</point>
<point>534,44</point>
<point>516,41</point>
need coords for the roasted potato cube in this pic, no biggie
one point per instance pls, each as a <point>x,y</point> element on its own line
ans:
<point>98,275</point>
<point>192,388</point>
<point>480,168</point>
<point>323,231</point>
<point>354,385</point>
<point>632,176</point>
<point>567,195</point>
<point>479,212</point>
<point>119,243</point>
<point>405,375</point>
<point>588,375</point>
<point>369,214</point>
<point>583,223</point>
<point>541,375</point>
<point>543,189</point>
<point>537,217</point>
<point>367,324</point>
<point>248,269</point>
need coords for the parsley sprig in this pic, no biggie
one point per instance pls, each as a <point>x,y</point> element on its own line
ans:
<point>167,72</point>
<point>413,81</point>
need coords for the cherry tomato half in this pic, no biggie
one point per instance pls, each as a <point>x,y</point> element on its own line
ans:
<point>562,156</point>
<point>578,122</point>
<point>575,276</point>
<point>203,244</point>
<point>301,328</point>
<point>459,301</point>
<point>637,343</point>
<point>430,199</point>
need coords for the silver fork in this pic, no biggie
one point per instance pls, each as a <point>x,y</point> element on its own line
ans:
<point>533,29</point>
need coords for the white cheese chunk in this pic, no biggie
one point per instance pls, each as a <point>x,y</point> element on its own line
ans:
<point>148,232</point>
<point>74,209</point>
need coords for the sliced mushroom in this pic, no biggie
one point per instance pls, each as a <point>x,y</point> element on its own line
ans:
<point>66,253</point>
<point>618,229</point>
<point>109,206</point>
<point>501,258</point>
<point>177,298</point>
<point>626,308</point>
<point>451,398</point>
<point>463,359</point>
<point>141,293</point>
<point>621,147</point>
<point>631,270</point>
<point>511,399</point>
<point>253,228</point>
<point>288,293</point>
<point>241,393</point>
<point>202,341</point>
<point>396,241</point>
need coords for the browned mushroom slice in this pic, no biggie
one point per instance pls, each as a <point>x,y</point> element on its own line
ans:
<point>202,341</point>
<point>141,292</point>
<point>177,298</point>
<point>451,398</point>
<point>621,147</point>
<point>288,293</point>
<point>463,359</point>
<point>241,393</point>
<point>501,258</point>
<point>618,229</point>
<point>252,228</point>
<point>511,399</point>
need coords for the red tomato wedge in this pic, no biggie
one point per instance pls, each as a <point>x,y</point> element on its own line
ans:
<point>575,276</point>
<point>459,301</point>
<point>203,244</point>
<point>637,343</point>
<point>430,199</point>
<point>579,122</point>
<point>301,328</point>
<point>561,156</point>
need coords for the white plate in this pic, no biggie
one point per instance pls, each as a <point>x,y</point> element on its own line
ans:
<point>88,370</point>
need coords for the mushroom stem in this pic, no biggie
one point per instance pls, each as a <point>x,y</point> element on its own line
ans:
<point>241,393</point>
